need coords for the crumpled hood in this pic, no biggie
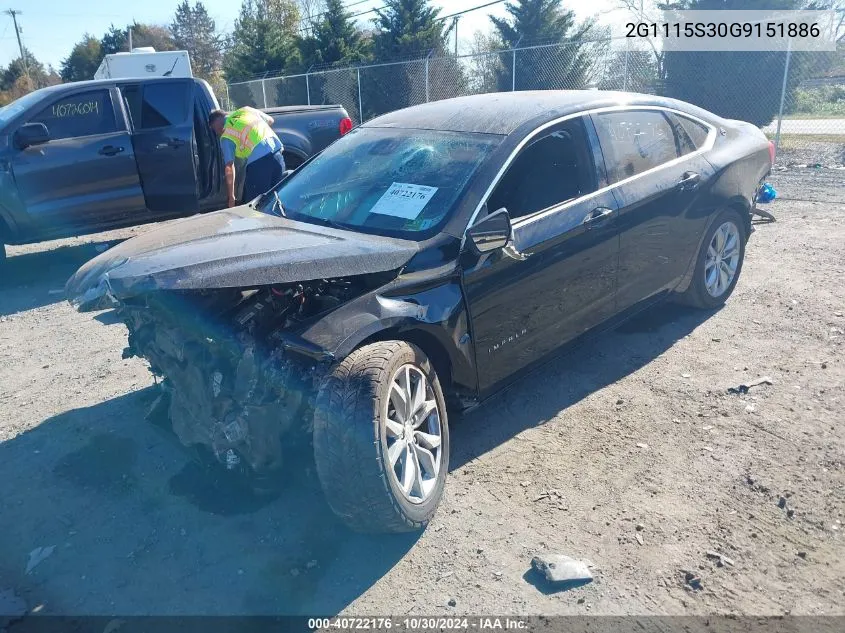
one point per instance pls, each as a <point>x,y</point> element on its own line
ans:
<point>233,248</point>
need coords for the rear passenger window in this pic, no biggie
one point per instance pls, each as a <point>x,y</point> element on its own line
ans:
<point>555,168</point>
<point>158,105</point>
<point>635,141</point>
<point>82,114</point>
<point>691,134</point>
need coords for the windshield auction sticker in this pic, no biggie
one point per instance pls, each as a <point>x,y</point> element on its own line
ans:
<point>403,200</point>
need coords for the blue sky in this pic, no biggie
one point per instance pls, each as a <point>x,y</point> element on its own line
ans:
<point>51,27</point>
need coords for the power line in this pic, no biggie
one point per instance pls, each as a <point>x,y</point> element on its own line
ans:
<point>460,13</point>
<point>443,17</point>
<point>319,15</point>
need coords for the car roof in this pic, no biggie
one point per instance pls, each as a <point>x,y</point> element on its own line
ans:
<point>94,83</point>
<point>504,112</point>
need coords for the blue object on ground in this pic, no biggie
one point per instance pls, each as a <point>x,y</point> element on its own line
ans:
<point>767,193</point>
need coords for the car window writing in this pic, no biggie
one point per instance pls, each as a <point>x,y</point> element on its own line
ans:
<point>553,169</point>
<point>634,141</point>
<point>82,114</point>
<point>157,104</point>
<point>691,134</point>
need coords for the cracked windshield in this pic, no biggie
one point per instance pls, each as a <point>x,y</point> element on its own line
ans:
<point>386,181</point>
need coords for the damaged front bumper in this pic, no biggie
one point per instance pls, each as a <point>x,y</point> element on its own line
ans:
<point>239,381</point>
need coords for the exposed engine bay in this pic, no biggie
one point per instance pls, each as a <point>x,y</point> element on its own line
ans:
<point>231,384</point>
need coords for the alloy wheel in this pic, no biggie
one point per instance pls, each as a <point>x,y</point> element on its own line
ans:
<point>414,436</point>
<point>722,259</point>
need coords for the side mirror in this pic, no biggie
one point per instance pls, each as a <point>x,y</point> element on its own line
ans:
<point>31,134</point>
<point>491,233</point>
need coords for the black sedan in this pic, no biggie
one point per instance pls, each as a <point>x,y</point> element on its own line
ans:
<point>431,256</point>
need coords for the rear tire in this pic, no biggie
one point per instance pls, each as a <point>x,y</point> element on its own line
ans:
<point>719,262</point>
<point>382,463</point>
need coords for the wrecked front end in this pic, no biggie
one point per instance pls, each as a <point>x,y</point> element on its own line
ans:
<point>238,383</point>
<point>216,303</point>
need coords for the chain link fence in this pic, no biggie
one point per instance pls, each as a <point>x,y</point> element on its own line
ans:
<point>798,98</point>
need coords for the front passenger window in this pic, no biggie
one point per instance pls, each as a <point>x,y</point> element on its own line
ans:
<point>555,168</point>
<point>82,114</point>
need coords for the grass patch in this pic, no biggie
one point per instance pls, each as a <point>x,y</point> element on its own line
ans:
<point>792,141</point>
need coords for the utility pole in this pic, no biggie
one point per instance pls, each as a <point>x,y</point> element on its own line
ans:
<point>15,13</point>
<point>130,38</point>
<point>457,17</point>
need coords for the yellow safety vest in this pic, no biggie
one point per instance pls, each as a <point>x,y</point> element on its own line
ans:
<point>246,129</point>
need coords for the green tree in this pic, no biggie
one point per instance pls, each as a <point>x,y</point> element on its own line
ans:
<point>195,31</point>
<point>84,59</point>
<point>159,37</point>
<point>336,39</point>
<point>748,82</point>
<point>115,40</point>
<point>18,79</point>
<point>407,29</point>
<point>543,22</point>
<point>264,40</point>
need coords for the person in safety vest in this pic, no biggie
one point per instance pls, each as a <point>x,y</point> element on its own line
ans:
<point>246,134</point>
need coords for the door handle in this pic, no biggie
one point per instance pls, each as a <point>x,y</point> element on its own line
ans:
<point>110,150</point>
<point>689,181</point>
<point>597,217</point>
<point>173,143</point>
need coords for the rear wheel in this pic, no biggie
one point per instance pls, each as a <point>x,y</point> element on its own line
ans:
<point>381,438</point>
<point>719,262</point>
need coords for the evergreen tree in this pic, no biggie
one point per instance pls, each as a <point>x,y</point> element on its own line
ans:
<point>115,40</point>
<point>84,59</point>
<point>336,39</point>
<point>543,22</point>
<point>407,29</point>
<point>264,40</point>
<point>194,31</point>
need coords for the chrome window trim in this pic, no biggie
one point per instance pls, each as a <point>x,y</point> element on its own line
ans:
<point>707,146</point>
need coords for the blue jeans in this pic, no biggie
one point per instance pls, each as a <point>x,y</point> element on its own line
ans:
<point>263,175</point>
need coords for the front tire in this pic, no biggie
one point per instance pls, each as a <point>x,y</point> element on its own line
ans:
<point>381,438</point>
<point>719,262</point>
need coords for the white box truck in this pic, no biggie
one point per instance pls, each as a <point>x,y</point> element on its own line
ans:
<point>145,63</point>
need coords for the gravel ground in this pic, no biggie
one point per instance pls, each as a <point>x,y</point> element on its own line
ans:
<point>629,453</point>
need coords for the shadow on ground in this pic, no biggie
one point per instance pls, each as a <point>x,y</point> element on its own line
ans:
<point>562,382</point>
<point>33,280</point>
<point>138,530</point>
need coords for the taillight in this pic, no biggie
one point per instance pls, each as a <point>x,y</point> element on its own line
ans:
<point>772,152</point>
<point>346,126</point>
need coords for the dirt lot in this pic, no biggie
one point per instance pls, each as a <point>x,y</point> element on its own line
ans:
<point>629,453</point>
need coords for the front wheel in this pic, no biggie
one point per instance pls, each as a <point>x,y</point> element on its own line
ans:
<point>381,438</point>
<point>719,263</point>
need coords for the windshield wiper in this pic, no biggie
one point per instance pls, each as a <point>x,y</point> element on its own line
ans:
<point>277,205</point>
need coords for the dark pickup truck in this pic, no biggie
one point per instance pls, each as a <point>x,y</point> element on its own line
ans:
<point>95,155</point>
